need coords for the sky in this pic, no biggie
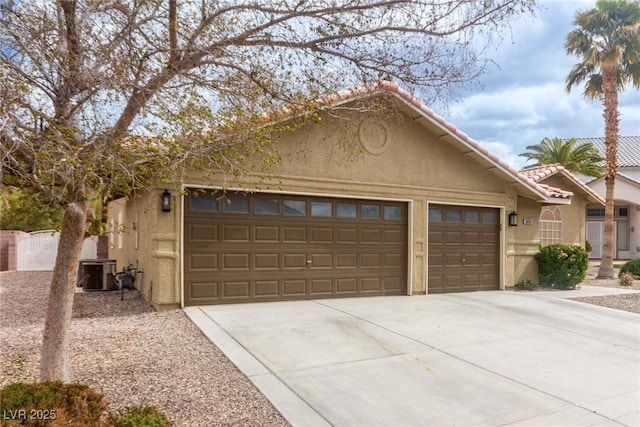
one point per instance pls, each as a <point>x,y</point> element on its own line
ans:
<point>523,99</point>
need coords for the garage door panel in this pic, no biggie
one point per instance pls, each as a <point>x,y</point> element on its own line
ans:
<point>393,283</point>
<point>349,285</point>
<point>295,287</point>
<point>202,232</point>
<point>371,236</point>
<point>275,254</point>
<point>347,235</point>
<point>236,289</point>
<point>203,262</point>
<point>393,260</point>
<point>266,261</point>
<point>236,261</point>
<point>267,288</point>
<point>294,261</point>
<point>371,284</point>
<point>203,289</point>
<point>236,233</point>
<point>321,261</point>
<point>370,260</point>
<point>294,234</point>
<point>347,260</point>
<point>321,287</point>
<point>267,233</point>
<point>393,236</point>
<point>463,245</point>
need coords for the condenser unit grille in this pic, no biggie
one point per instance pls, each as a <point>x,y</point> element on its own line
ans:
<point>96,275</point>
<point>93,277</point>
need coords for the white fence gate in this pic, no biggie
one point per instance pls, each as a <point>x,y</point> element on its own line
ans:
<point>37,250</point>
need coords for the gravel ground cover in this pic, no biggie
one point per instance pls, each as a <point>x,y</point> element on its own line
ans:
<point>132,354</point>
<point>627,302</point>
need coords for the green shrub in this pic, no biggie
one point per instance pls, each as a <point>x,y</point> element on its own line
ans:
<point>632,267</point>
<point>140,416</point>
<point>562,266</point>
<point>51,404</point>
<point>526,285</point>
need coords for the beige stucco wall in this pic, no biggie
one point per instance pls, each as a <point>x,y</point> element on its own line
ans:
<point>526,241</point>
<point>398,159</point>
<point>150,242</point>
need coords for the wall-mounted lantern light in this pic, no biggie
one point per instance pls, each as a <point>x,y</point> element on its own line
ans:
<point>513,219</point>
<point>166,201</point>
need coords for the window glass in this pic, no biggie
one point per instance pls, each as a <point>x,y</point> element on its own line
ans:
<point>595,212</point>
<point>392,212</point>
<point>265,206</point>
<point>295,207</point>
<point>454,215</point>
<point>370,211</point>
<point>235,203</point>
<point>435,214</point>
<point>489,217</point>
<point>471,217</point>
<point>346,210</point>
<point>203,203</point>
<point>321,209</point>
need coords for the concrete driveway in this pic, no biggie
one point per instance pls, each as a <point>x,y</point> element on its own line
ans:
<point>476,359</point>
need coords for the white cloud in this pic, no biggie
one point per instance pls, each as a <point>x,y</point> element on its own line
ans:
<point>525,100</point>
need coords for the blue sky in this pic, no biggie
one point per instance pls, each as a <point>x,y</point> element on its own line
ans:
<point>522,98</point>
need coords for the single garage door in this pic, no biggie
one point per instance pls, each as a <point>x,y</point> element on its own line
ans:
<point>463,249</point>
<point>269,247</point>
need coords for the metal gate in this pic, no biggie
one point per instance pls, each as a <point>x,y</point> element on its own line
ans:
<point>37,251</point>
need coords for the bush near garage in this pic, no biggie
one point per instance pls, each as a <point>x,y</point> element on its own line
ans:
<point>631,267</point>
<point>526,285</point>
<point>562,266</point>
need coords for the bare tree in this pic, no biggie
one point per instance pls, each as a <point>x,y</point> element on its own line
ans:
<point>80,79</point>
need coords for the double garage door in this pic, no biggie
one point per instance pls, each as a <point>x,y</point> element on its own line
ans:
<point>269,247</point>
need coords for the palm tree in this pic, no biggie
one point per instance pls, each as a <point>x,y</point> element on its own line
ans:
<point>607,40</point>
<point>583,159</point>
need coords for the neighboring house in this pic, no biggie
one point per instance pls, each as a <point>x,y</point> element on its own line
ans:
<point>405,204</point>
<point>557,222</point>
<point>626,201</point>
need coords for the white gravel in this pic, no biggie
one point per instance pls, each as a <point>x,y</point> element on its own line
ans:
<point>132,354</point>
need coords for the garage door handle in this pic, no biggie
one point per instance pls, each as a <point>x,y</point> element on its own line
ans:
<point>464,259</point>
<point>309,261</point>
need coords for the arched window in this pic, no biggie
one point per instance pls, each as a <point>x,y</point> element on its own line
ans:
<point>550,225</point>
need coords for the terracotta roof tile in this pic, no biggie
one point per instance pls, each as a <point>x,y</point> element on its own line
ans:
<point>542,172</point>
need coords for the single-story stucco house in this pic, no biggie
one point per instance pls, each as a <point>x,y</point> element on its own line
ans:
<point>626,201</point>
<point>422,208</point>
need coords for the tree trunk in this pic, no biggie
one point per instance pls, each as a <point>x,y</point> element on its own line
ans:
<point>611,119</point>
<point>55,346</point>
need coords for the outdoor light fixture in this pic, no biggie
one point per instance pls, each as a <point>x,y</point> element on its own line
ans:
<point>513,219</point>
<point>166,201</point>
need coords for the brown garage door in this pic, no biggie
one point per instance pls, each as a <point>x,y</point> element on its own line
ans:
<point>268,247</point>
<point>463,249</point>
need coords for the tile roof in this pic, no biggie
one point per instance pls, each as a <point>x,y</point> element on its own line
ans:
<point>342,97</point>
<point>557,192</point>
<point>628,149</point>
<point>542,172</point>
